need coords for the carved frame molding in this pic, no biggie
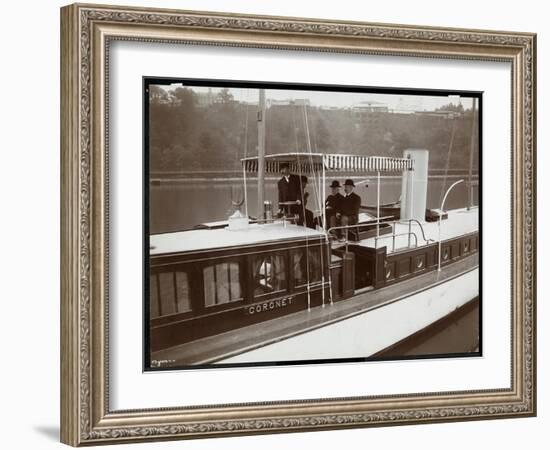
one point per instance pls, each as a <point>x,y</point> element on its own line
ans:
<point>86,31</point>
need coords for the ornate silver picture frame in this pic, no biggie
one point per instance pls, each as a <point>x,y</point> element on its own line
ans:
<point>87,413</point>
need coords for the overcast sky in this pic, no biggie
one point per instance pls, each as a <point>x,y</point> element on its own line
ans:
<point>342,99</point>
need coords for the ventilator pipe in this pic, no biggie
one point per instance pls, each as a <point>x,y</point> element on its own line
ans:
<point>439,222</point>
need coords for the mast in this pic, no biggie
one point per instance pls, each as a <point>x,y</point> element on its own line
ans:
<point>472,144</point>
<point>261,152</point>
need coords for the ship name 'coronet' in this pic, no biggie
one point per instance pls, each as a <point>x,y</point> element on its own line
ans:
<point>268,305</point>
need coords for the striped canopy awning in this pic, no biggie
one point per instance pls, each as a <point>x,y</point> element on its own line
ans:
<point>313,162</point>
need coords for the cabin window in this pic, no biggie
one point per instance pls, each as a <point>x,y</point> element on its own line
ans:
<point>222,283</point>
<point>169,293</point>
<point>269,274</point>
<point>307,261</point>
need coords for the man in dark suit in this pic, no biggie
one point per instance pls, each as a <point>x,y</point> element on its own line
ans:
<point>333,205</point>
<point>289,191</point>
<point>350,205</point>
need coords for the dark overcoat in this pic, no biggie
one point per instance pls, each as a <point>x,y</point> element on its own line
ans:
<point>350,205</point>
<point>289,191</point>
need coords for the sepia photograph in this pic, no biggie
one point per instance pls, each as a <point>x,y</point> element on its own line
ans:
<point>278,224</point>
<point>309,224</point>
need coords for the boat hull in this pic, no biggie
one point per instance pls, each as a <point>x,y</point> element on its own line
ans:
<point>369,333</point>
<point>278,285</point>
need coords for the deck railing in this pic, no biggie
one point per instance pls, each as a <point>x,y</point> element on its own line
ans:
<point>393,236</point>
<point>387,220</point>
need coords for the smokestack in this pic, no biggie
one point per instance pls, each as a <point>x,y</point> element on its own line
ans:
<point>414,186</point>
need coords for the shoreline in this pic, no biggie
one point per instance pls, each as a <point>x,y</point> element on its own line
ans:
<point>185,178</point>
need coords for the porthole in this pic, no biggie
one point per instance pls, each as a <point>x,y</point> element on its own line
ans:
<point>388,273</point>
<point>419,263</point>
<point>446,254</point>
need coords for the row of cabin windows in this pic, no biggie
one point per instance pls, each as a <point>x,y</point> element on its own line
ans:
<point>169,292</point>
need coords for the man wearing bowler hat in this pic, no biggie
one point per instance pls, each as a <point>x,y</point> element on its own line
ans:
<point>333,205</point>
<point>350,205</point>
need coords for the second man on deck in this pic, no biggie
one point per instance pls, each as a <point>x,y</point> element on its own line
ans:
<point>351,202</point>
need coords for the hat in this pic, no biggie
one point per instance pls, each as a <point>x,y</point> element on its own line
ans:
<point>349,183</point>
<point>335,184</point>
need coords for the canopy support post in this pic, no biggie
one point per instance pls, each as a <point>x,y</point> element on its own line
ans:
<point>470,166</point>
<point>321,204</point>
<point>378,205</point>
<point>261,152</point>
<point>325,232</point>
<point>245,193</point>
<point>322,200</point>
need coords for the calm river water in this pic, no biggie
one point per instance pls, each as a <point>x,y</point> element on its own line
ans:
<point>179,205</point>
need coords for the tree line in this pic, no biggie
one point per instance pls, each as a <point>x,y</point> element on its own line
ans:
<point>187,134</point>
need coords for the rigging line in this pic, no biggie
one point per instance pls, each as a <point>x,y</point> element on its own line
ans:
<point>320,198</point>
<point>303,208</point>
<point>302,195</point>
<point>317,186</point>
<point>308,281</point>
<point>324,218</point>
<point>299,164</point>
<point>247,106</point>
<point>316,183</point>
<point>448,161</point>
<point>295,129</point>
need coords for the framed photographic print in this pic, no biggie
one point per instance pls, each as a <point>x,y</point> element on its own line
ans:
<point>277,224</point>
<point>255,277</point>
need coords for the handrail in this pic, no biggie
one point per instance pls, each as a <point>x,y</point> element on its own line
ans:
<point>422,229</point>
<point>377,222</point>
<point>393,236</point>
